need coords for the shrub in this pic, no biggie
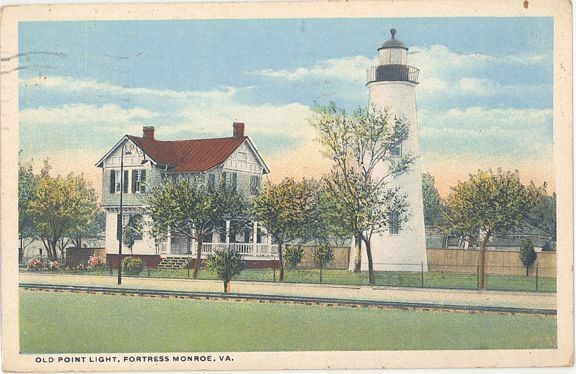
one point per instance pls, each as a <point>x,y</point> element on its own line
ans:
<point>54,265</point>
<point>96,262</point>
<point>293,255</point>
<point>132,265</point>
<point>227,264</point>
<point>527,254</point>
<point>34,264</point>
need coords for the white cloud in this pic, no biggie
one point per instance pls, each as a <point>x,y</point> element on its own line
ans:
<point>438,60</point>
<point>434,61</point>
<point>68,84</point>
<point>352,68</point>
<point>495,132</point>
<point>83,114</point>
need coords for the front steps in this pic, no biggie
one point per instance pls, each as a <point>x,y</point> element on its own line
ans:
<point>174,262</point>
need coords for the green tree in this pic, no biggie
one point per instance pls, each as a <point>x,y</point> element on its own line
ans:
<point>322,254</point>
<point>95,229</point>
<point>61,206</point>
<point>27,182</point>
<point>544,214</point>
<point>433,206</point>
<point>191,209</point>
<point>293,255</point>
<point>288,211</point>
<point>132,231</point>
<point>489,203</point>
<point>527,254</point>
<point>364,151</point>
<point>227,263</point>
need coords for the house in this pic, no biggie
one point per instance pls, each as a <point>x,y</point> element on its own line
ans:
<point>232,161</point>
<point>509,241</point>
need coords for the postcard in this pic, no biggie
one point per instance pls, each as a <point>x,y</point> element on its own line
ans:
<point>286,185</point>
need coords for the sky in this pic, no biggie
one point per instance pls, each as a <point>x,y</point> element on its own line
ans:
<point>484,98</point>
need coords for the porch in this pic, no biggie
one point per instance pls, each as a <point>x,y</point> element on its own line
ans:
<point>257,250</point>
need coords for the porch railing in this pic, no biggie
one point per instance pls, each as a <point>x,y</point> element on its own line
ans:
<point>246,249</point>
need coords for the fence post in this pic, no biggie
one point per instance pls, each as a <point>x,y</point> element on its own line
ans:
<point>188,268</point>
<point>536,278</point>
<point>148,272</point>
<point>422,274</point>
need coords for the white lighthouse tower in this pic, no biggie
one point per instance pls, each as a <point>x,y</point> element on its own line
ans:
<point>392,85</point>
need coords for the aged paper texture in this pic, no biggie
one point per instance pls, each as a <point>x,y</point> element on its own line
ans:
<point>286,185</point>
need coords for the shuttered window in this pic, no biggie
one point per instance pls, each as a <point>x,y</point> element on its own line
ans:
<point>125,181</point>
<point>112,181</point>
<point>138,181</point>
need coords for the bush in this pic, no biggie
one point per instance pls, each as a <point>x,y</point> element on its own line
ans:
<point>227,264</point>
<point>54,265</point>
<point>293,255</point>
<point>96,262</point>
<point>34,264</point>
<point>132,265</point>
<point>527,254</point>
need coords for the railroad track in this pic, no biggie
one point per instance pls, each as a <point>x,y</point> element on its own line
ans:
<point>283,299</point>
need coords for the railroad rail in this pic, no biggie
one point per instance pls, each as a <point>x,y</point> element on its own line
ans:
<point>381,304</point>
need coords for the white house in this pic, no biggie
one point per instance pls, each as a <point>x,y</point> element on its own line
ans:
<point>234,161</point>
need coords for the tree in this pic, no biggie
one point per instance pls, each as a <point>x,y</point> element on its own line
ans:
<point>191,209</point>
<point>364,151</point>
<point>132,231</point>
<point>26,189</point>
<point>227,263</point>
<point>527,254</point>
<point>94,229</point>
<point>544,214</point>
<point>288,211</point>
<point>322,254</point>
<point>60,207</point>
<point>489,203</point>
<point>433,207</point>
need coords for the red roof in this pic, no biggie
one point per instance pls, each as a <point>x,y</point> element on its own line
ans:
<point>189,155</point>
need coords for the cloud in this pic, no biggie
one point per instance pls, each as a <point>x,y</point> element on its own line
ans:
<point>434,61</point>
<point>82,114</point>
<point>352,68</point>
<point>496,132</point>
<point>68,84</point>
<point>440,61</point>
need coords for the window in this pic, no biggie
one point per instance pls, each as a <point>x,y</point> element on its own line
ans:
<point>112,181</point>
<point>255,184</point>
<point>230,181</point>
<point>242,156</point>
<point>125,181</point>
<point>211,182</point>
<point>138,181</point>
<point>394,223</point>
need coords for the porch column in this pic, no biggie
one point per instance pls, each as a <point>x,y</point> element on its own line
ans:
<point>193,242</point>
<point>254,238</point>
<point>169,241</point>
<point>227,232</point>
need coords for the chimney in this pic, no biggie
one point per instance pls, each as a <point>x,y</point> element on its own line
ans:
<point>238,130</point>
<point>148,132</point>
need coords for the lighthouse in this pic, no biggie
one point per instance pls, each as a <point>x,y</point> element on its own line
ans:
<point>392,87</point>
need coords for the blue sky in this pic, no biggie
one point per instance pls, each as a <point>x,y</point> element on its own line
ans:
<point>485,97</point>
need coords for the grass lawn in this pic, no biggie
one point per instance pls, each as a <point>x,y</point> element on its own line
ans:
<point>85,323</point>
<point>432,279</point>
<point>396,279</point>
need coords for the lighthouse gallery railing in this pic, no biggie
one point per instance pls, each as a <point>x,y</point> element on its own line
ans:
<point>392,73</point>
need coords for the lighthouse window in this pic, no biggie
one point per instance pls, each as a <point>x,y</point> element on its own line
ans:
<point>394,223</point>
